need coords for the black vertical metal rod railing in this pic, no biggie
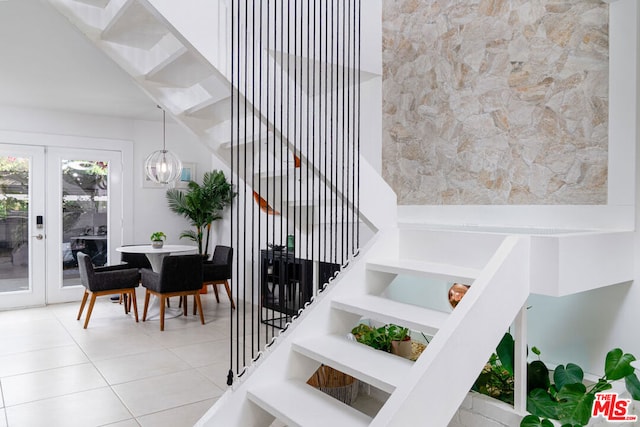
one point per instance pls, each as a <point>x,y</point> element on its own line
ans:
<point>294,155</point>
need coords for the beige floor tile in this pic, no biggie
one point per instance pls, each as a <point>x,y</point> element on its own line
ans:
<point>217,373</point>
<point>184,416</point>
<point>164,392</point>
<point>201,354</point>
<point>30,387</point>
<point>139,366</point>
<point>40,360</point>
<point>87,409</point>
<point>106,344</point>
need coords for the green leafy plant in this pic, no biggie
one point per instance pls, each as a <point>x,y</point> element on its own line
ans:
<point>158,236</point>
<point>397,333</point>
<point>380,338</point>
<point>201,205</point>
<point>568,399</point>
<point>496,378</point>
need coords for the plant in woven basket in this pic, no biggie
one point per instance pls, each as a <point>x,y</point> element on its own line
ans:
<point>335,383</point>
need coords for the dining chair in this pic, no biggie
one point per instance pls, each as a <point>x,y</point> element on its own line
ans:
<point>181,276</point>
<point>127,260</point>
<point>107,282</point>
<point>218,271</point>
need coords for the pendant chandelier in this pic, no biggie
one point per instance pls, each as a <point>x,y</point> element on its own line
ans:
<point>163,166</point>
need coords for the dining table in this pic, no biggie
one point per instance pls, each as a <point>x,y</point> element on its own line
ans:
<point>155,257</point>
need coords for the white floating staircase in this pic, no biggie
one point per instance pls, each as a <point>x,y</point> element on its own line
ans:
<point>190,82</point>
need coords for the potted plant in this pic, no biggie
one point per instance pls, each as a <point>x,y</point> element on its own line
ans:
<point>400,340</point>
<point>157,239</point>
<point>201,205</point>
<point>390,338</point>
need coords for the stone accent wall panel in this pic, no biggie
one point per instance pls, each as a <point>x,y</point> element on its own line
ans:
<point>495,102</point>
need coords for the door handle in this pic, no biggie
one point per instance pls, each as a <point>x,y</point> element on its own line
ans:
<point>39,236</point>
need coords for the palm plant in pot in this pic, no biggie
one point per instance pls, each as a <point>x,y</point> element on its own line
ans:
<point>202,205</point>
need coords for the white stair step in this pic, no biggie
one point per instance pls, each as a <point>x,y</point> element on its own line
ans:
<point>182,69</point>
<point>135,26</point>
<point>425,269</point>
<point>211,109</point>
<point>389,311</point>
<point>378,368</point>
<point>298,404</point>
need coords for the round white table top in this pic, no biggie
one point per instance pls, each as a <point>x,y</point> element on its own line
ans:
<point>148,249</point>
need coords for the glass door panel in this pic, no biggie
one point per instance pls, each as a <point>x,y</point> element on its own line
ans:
<point>85,204</point>
<point>85,210</point>
<point>22,236</point>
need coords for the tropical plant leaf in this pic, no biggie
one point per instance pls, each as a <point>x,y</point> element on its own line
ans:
<point>505,352</point>
<point>618,365</point>
<point>537,376</point>
<point>541,404</point>
<point>571,374</point>
<point>633,385</point>
<point>575,405</point>
<point>600,386</point>
<point>533,421</point>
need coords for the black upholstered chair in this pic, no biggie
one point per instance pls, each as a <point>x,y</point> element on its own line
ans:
<point>107,282</point>
<point>127,260</point>
<point>218,271</point>
<point>180,275</point>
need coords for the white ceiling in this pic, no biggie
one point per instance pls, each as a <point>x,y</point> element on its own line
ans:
<point>45,62</point>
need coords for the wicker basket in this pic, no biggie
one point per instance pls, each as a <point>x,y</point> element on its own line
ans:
<point>335,383</point>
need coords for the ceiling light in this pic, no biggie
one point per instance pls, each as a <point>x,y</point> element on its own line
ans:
<point>163,166</point>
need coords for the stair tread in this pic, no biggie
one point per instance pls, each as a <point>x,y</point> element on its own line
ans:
<point>298,404</point>
<point>423,268</point>
<point>355,359</point>
<point>385,310</point>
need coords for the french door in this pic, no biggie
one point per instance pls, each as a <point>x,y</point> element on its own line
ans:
<point>54,203</point>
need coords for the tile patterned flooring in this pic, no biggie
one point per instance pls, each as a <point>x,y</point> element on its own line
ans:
<point>115,373</point>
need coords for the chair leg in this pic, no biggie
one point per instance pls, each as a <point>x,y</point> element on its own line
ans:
<point>91,303</point>
<point>146,305</point>
<point>123,301</point>
<point>84,301</point>
<point>226,286</point>
<point>195,306</point>
<point>199,304</point>
<point>215,291</point>
<point>162,305</point>
<point>132,298</point>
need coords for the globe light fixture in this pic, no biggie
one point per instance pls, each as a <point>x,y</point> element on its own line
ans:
<point>163,166</point>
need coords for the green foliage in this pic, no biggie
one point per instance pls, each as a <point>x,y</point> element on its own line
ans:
<point>569,401</point>
<point>158,236</point>
<point>201,205</point>
<point>496,378</point>
<point>380,338</point>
